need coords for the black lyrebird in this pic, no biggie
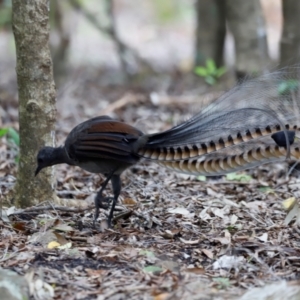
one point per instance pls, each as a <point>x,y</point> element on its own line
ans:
<point>224,137</point>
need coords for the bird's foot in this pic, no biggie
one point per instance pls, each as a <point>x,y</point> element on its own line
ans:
<point>101,202</point>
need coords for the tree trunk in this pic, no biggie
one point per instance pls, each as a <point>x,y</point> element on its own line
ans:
<point>246,22</point>
<point>59,51</point>
<point>210,31</point>
<point>290,38</point>
<point>30,19</point>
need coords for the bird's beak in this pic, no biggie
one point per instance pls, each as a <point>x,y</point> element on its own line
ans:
<point>37,171</point>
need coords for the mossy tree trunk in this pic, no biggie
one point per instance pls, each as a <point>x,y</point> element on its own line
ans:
<point>30,20</point>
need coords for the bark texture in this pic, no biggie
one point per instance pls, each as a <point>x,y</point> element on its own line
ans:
<point>290,39</point>
<point>36,98</point>
<point>210,31</point>
<point>246,22</point>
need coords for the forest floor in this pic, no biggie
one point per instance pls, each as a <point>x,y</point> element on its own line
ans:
<point>174,236</point>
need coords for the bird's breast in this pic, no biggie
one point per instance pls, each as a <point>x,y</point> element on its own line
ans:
<point>104,166</point>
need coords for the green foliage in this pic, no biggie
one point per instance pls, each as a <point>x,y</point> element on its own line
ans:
<point>5,14</point>
<point>238,177</point>
<point>147,253</point>
<point>211,73</point>
<point>167,11</point>
<point>231,228</point>
<point>288,86</point>
<point>223,282</point>
<point>266,189</point>
<point>153,269</point>
<point>164,9</point>
<point>201,178</point>
<point>12,137</point>
<point>11,134</point>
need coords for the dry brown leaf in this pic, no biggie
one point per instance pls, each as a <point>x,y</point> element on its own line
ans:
<point>208,253</point>
<point>162,296</point>
<point>195,270</point>
<point>129,202</point>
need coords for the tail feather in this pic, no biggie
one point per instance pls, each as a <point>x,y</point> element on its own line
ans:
<point>232,163</point>
<point>197,149</point>
<point>255,109</point>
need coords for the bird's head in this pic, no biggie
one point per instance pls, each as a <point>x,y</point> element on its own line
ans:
<point>48,156</point>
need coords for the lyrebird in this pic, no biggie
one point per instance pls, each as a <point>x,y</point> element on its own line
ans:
<point>252,124</point>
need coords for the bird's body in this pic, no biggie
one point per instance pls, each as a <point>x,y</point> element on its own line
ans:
<point>222,138</point>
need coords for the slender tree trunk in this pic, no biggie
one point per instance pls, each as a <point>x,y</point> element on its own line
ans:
<point>290,38</point>
<point>210,31</point>
<point>246,22</point>
<point>37,112</point>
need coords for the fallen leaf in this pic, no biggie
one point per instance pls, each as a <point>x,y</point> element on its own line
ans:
<point>289,203</point>
<point>65,246</point>
<point>189,242</point>
<point>152,269</point>
<point>195,270</point>
<point>264,237</point>
<point>63,227</point>
<point>129,202</point>
<point>179,211</point>
<point>238,177</point>
<point>294,212</point>
<point>53,245</point>
<point>162,296</point>
<point>147,253</point>
<point>208,253</point>
<point>228,262</point>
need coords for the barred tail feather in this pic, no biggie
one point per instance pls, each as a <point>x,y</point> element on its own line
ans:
<point>232,163</point>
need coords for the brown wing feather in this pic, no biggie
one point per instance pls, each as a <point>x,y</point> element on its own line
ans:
<point>114,126</point>
<point>103,138</point>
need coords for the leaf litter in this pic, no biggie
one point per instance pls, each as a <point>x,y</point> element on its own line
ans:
<point>175,237</point>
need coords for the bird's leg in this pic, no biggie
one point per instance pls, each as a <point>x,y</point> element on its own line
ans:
<point>99,198</point>
<point>116,185</point>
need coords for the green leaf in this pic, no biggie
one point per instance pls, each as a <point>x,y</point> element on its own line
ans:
<point>14,136</point>
<point>3,131</point>
<point>222,282</point>
<point>201,178</point>
<point>201,71</point>
<point>211,66</point>
<point>266,189</point>
<point>238,177</point>
<point>210,80</point>
<point>147,253</point>
<point>221,71</point>
<point>165,10</point>
<point>231,228</point>
<point>152,269</point>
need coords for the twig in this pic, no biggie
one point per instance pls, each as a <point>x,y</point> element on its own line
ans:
<point>59,208</point>
<point>126,289</point>
<point>77,238</point>
<point>110,31</point>
<point>49,207</point>
<point>128,98</point>
<point>75,193</point>
<point>123,215</point>
<point>121,48</point>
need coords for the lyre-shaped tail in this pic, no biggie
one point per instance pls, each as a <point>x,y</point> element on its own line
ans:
<point>252,111</point>
<point>197,149</point>
<point>231,163</point>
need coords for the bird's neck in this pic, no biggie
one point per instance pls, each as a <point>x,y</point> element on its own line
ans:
<point>60,156</point>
